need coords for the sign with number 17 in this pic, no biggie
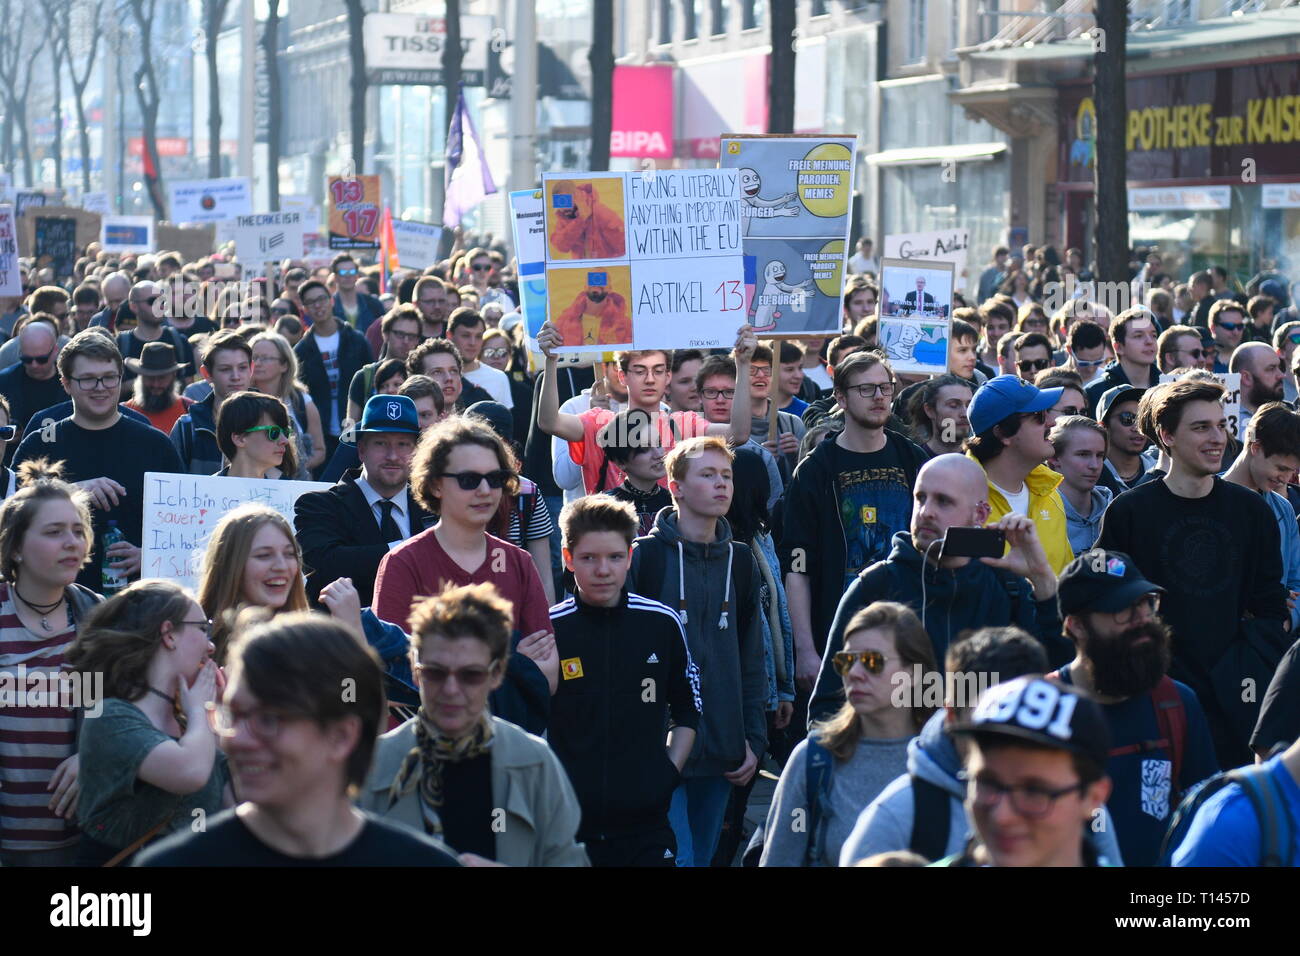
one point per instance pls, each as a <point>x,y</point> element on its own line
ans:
<point>354,213</point>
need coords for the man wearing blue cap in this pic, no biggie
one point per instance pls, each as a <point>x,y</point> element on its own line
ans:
<point>1010,423</point>
<point>346,530</point>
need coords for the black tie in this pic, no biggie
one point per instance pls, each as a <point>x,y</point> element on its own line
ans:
<point>387,526</point>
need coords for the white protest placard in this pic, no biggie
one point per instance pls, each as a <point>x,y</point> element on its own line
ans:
<point>941,245</point>
<point>126,234</point>
<point>417,243</point>
<point>211,200</point>
<point>268,236</point>
<point>295,202</point>
<point>644,260</point>
<point>180,512</point>
<point>915,314</point>
<point>97,203</point>
<point>1231,398</point>
<point>11,280</point>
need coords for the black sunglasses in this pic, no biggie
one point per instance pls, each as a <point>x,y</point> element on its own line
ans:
<point>1034,365</point>
<point>470,480</point>
<point>37,359</point>
<point>8,432</point>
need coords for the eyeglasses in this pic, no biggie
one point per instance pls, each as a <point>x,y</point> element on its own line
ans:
<point>37,359</point>
<point>90,382</point>
<point>1127,419</point>
<point>873,661</point>
<point>482,268</point>
<point>1294,338</point>
<point>1026,801</point>
<point>1229,326</point>
<point>205,626</point>
<point>265,725</point>
<point>1200,353</point>
<point>1148,603</point>
<point>1040,417</point>
<point>345,272</point>
<point>405,336</point>
<point>870,389</point>
<point>8,432</point>
<point>1034,365</point>
<point>318,300</point>
<point>712,394</point>
<point>496,353</point>
<point>470,480</point>
<point>1068,410</point>
<point>1086,363</point>
<point>273,432</point>
<point>435,675</point>
<point>266,358</point>
<point>760,371</point>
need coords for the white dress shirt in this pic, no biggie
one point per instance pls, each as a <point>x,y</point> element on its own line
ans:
<point>401,511</point>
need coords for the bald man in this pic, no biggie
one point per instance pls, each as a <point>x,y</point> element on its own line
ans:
<point>32,383</point>
<point>1261,378</point>
<point>951,594</point>
<point>115,290</point>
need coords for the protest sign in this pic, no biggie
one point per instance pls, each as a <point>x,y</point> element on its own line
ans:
<point>96,203</point>
<point>942,245</point>
<point>528,222</point>
<point>354,213</point>
<point>644,260</point>
<point>55,242</point>
<point>796,194</point>
<point>417,243</point>
<point>915,314</point>
<point>191,243</point>
<point>268,236</point>
<point>88,226</point>
<point>25,199</point>
<point>211,200</point>
<point>126,234</point>
<point>303,204</point>
<point>1231,381</point>
<point>11,279</point>
<point>180,512</point>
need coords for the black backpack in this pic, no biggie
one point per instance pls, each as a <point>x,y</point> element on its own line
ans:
<point>931,819</point>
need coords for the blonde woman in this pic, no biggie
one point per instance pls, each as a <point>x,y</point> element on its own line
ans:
<point>275,372</point>
<point>252,560</point>
<point>862,747</point>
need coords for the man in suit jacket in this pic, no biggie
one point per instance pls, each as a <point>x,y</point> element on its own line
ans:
<point>346,530</point>
<point>329,354</point>
<point>918,300</point>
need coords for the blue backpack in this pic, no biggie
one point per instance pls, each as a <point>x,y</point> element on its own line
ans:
<point>1277,831</point>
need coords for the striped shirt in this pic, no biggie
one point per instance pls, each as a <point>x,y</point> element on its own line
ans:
<point>33,740</point>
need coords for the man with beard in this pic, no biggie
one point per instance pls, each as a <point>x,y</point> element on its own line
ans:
<point>936,413</point>
<point>1160,740</point>
<point>157,393</point>
<point>1214,546</point>
<point>146,302</point>
<point>1261,378</point>
<point>597,316</point>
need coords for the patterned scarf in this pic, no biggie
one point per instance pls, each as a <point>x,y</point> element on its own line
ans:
<point>423,766</point>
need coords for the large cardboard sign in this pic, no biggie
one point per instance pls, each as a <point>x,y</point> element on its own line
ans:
<point>354,213</point>
<point>11,278</point>
<point>180,512</point>
<point>940,245</point>
<point>915,313</point>
<point>211,200</point>
<point>268,237</point>
<point>796,194</point>
<point>56,244</point>
<point>417,243</point>
<point>1231,398</point>
<point>644,260</point>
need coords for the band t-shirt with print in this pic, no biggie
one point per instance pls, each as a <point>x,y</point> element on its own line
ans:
<point>329,354</point>
<point>874,500</point>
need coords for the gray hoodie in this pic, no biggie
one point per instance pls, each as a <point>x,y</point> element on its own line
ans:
<point>733,678</point>
<point>1083,532</point>
<point>886,824</point>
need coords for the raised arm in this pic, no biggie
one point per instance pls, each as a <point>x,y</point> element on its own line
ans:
<point>549,417</point>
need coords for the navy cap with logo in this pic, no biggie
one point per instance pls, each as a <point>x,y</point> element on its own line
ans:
<point>1000,398</point>
<point>389,413</point>
<point>1115,396</point>
<point>1105,581</point>
<point>1044,712</point>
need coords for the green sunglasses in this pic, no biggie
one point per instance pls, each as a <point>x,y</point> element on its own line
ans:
<point>273,432</point>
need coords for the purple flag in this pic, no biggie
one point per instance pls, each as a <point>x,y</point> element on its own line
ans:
<point>468,179</point>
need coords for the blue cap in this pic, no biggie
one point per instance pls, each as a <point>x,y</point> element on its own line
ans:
<point>389,413</point>
<point>1007,395</point>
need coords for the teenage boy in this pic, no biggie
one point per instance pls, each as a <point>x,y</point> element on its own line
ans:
<point>682,395</point>
<point>465,329</point>
<point>1179,346</point>
<point>1160,740</point>
<point>1080,458</point>
<point>645,375</point>
<point>1268,459</point>
<point>629,443</point>
<point>1227,322</point>
<point>1036,776</point>
<point>103,451</point>
<point>1085,349</point>
<point>690,562</point>
<point>1214,547</point>
<point>716,385</point>
<point>1010,423</point>
<point>789,378</point>
<point>845,503</point>
<point>330,354</point>
<point>1133,337</point>
<point>1117,411</point>
<point>789,428</point>
<point>440,360</point>
<point>606,729</point>
<point>227,365</point>
<point>355,308</point>
<point>963,345</point>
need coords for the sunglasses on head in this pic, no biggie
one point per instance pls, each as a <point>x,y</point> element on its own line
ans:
<point>873,661</point>
<point>470,480</point>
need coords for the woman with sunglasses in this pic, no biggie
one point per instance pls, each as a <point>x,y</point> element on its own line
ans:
<point>444,771</point>
<point>460,471</point>
<point>275,373</point>
<point>500,352</point>
<point>299,751</point>
<point>149,761</point>
<point>252,560</point>
<point>888,668</point>
<point>256,438</point>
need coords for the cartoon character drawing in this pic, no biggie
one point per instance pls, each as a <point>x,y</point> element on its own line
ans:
<point>767,304</point>
<point>598,316</point>
<point>584,225</point>
<point>901,339</point>
<point>757,208</point>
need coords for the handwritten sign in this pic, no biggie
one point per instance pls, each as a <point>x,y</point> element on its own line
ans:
<point>944,245</point>
<point>1231,381</point>
<point>11,279</point>
<point>180,512</point>
<point>56,244</point>
<point>796,194</point>
<point>644,260</point>
<point>417,243</point>
<point>354,213</point>
<point>97,202</point>
<point>268,236</point>
<point>27,199</point>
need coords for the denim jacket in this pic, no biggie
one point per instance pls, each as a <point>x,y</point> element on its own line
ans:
<point>779,688</point>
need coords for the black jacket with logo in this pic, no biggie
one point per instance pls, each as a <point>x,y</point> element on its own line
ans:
<point>624,671</point>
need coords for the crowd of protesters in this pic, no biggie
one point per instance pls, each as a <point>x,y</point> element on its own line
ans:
<point>541,614</point>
